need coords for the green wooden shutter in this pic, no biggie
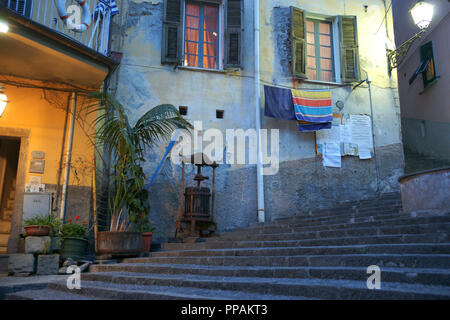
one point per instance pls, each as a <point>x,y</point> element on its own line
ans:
<point>171,49</point>
<point>298,38</point>
<point>233,33</point>
<point>349,49</point>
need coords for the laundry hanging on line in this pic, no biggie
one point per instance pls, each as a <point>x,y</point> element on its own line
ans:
<point>313,109</point>
<point>279,103</point>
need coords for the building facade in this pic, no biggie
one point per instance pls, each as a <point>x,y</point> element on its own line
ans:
<point>200,57</point>
<point>425,107</point>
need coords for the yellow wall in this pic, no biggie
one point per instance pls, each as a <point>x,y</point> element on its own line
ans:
<point>43,113</point>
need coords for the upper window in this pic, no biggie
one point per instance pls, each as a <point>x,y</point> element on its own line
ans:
<point>324,48</point>
<point>202,33</point>
<point>429,70</point>
<point>319,50</point>
<point>201,36</point>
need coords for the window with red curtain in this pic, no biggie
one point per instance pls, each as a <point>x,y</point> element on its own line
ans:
<point>201,35</point>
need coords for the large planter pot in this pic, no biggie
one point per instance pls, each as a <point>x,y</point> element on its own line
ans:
<point>146,241</point>
<point>74,248</point>
<point>37,231</point>
<point>119,244</point>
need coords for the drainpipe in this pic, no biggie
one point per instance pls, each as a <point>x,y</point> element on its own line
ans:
<point>259,166</point>
<point>68,157</point>
<point>373,133</point>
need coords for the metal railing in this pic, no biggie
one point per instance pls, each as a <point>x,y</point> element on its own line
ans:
<point>46,13</point>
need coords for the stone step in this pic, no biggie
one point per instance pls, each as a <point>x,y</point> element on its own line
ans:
<point>382,239</point>
<point>48,294</point>
<point>323,221</point>
<point>406,275</point>
<point>346,225</point>
<point>353,260</point>
<point>5,226</point>
<point>351,231</point>
<point>313,288</point>
<point>420,248</point>
<point>4,239</point>
<point>369,205</point>
<point>3,262</point>
<point>150,291</point>
<point>10,204</point>
<point>335,212</point>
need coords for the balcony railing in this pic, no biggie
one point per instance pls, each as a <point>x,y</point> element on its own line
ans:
<point>46,13</point>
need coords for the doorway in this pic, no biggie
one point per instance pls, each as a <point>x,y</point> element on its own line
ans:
<point>9,159</point>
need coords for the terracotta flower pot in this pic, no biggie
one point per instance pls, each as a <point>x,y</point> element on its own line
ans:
<point>119,244</point>
<point>37,231</point>
<point>146,241</point>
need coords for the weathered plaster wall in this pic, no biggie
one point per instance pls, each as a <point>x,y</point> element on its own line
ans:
<point>302,183</point>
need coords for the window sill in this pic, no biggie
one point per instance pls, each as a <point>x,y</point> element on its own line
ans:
<point>202,70</point>
<point>337,84</point>
<point>432,83</point>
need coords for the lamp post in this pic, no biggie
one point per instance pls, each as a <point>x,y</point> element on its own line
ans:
<point>422,14</point>
<point>3,100</point>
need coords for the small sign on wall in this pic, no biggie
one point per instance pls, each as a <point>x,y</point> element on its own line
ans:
<point>37,166</point>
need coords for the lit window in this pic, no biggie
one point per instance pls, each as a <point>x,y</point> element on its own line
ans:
<point>319,50</point>
<point>201,36</point>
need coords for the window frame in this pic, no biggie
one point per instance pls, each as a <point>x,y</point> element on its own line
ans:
<point>335,42</point>
<point>428,60</point>
<point>220,37</point>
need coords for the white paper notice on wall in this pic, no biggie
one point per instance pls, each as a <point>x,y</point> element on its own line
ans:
<point>332,155</point>
<point>346,134</point>
<point>364,153</point>
<point>361,131</point>
<point>332,135</point>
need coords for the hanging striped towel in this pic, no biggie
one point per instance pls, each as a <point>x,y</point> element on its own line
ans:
<point>313,109</point>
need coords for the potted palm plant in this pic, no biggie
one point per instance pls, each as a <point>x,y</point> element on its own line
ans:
<point>127,202</point>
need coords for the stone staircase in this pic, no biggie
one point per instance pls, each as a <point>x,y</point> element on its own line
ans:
<point>318,255</point>
<point>4,235</point>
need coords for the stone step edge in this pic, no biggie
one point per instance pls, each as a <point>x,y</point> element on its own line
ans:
<point>164,292</point>
<point>245,282</point>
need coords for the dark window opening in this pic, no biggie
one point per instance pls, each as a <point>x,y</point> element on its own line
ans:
<point>183,110</point>
<point>219,114</point>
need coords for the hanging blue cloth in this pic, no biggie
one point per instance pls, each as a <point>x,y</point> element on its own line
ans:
<point>279,103</point>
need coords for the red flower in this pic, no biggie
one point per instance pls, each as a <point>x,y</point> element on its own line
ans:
<point>77,217</point>
<point>84,222</point>
<point>70,220</point>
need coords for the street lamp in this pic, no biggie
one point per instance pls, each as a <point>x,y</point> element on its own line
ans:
<point>422,14</point>
<point>3,100</point>
<point>4,27</point>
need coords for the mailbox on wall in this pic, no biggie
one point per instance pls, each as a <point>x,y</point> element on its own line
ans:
<point>35,204</point>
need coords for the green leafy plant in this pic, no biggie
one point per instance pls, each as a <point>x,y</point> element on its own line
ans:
<point>74,229</point>
<point>128,200</point>
<point>45,220</point>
